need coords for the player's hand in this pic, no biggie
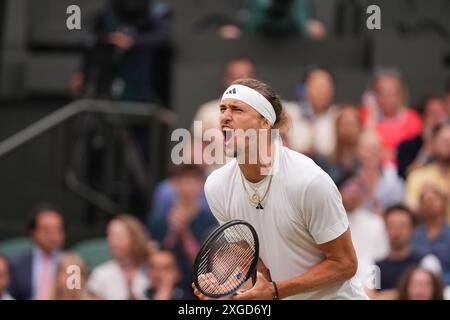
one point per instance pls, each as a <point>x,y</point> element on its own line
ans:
<point>263,290</point>
<point>209,282</point>
<point>201,296</point>
<point>206,281</point>
<point>198,294</point>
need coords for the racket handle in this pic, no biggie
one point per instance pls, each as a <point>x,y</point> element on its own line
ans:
<point>254,277</point>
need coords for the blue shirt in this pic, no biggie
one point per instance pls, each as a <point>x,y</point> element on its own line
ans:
<point>204,222</point>
<point>440,247</point>
<point>163,199</point>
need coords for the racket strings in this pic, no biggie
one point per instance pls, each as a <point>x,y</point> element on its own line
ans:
<point>221,271</point>
<point>222,275</point>
<point>242,251</point>
<point>226,263</point>
<point>241,260</point>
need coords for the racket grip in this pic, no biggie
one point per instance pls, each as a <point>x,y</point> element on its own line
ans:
<point>254,277</point>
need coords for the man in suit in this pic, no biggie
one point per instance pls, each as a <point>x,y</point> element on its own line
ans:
<point>33,273</point>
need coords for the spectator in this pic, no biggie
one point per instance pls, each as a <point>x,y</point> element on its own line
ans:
<point>400,224</point>
<point>385,111</point>
<point>129,37</point>
<point>68,286</point>
<point>128,59</point>
<point>165,277</point>
<point>4,279</point>
<point>314,116</point>
<point>420,284</point>
<point>283,18</point>
<point>436,173</point>
<point>368,231</point>
<point>383,187</point>
<point>184,225</point>
<point>433,234</point>
<point>33,273</point>
<point>343,162</point>
<point>165,196</point>
<point>123,277</point>
<point>416,152</point>
<point>447,96</point>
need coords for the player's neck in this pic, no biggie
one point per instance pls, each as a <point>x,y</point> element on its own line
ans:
<point>258,171</point>
<point>252,172</point>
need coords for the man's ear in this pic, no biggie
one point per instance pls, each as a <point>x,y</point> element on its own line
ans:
<point>265,124</point>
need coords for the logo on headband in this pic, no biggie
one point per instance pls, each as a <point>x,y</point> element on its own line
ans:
<point>231,91</point>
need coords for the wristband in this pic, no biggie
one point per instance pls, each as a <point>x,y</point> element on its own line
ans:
<point>276,296</point>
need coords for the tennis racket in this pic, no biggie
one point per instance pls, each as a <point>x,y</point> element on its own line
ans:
<point>227,259</point>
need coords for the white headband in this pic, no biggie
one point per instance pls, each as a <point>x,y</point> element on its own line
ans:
<point>253,98</point>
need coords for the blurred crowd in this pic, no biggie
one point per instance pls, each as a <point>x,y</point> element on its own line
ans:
<point>389,157</point>
<point>390,161</point>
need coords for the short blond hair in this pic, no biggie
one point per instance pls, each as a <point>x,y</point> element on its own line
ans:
<point>139,236</point>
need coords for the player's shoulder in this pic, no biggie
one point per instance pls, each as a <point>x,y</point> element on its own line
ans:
<point>299,163</point>
<point>302,173</point>
<point>217,179</point>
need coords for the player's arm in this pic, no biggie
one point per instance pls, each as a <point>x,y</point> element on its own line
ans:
<point>339,264</point>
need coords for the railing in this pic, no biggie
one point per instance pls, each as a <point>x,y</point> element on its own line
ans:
<point>116,111</point>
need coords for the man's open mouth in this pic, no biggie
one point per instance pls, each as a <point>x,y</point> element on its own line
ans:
<point>227,135</point>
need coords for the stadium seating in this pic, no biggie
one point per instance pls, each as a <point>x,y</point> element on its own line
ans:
<point>93,251</point>
<point>13,247</point>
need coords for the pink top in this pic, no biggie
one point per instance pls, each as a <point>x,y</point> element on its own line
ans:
<point>392,131</point>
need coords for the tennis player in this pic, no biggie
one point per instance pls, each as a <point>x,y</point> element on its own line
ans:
<point>306,251</point>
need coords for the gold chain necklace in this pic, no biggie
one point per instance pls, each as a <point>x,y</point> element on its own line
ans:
<point>255,197</point>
